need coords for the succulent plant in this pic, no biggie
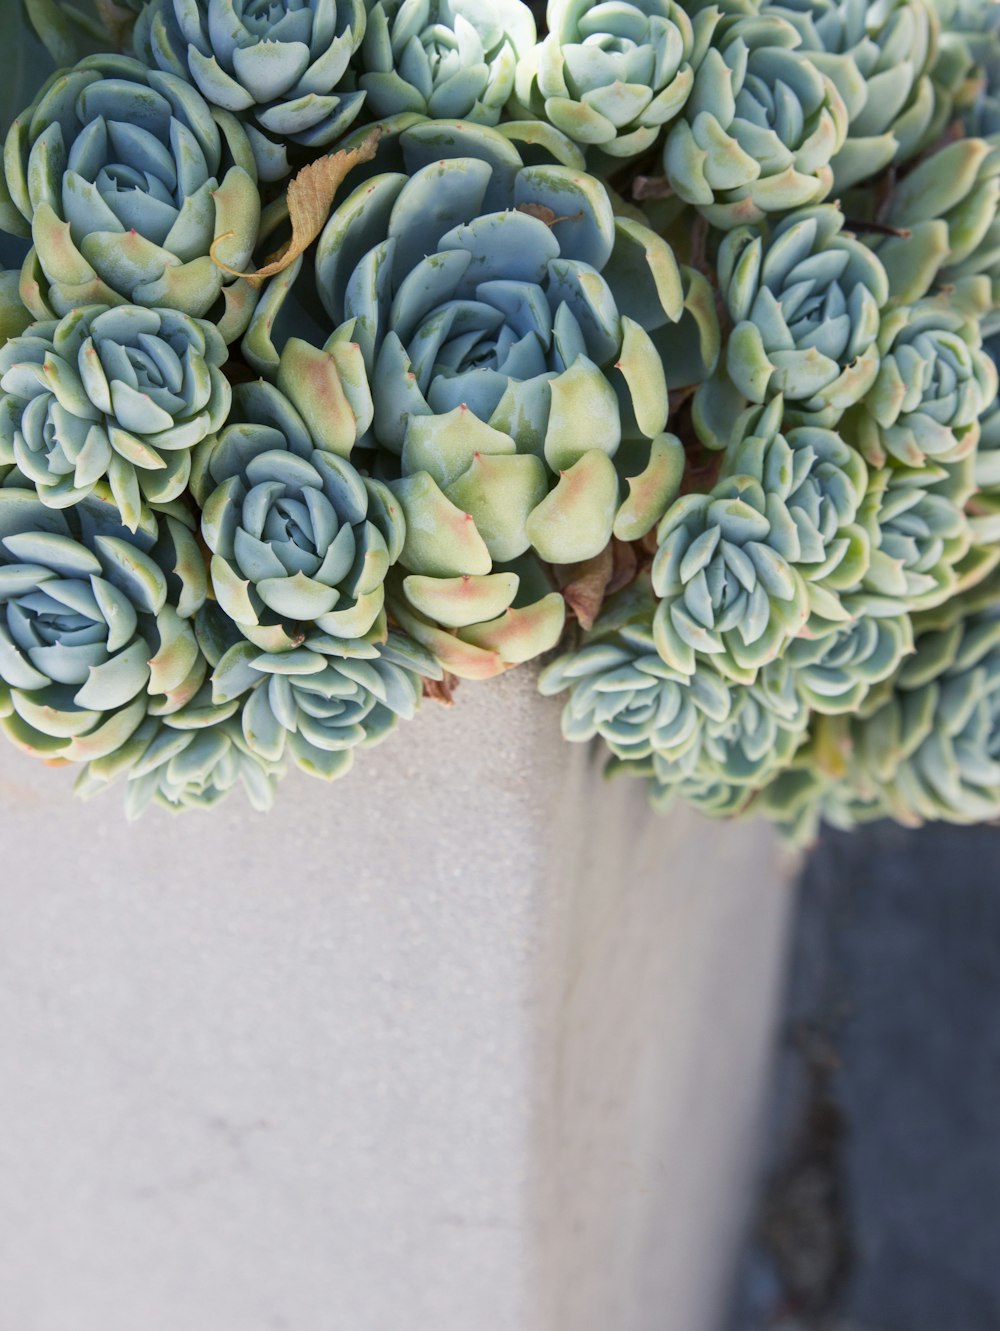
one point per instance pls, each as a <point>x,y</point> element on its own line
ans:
<point>181,770</point>
<point>613,75</point>
<point>121,393</point>
<point>126,180</point>
<point>520,342</point>
<point>919,531</point>
<point>676,727</point>
<point>835,672</point>
<point>620,689</point>
<point>191,759</point>
<point>279,65</point>
<point>300,541</point>
<point>970,52</point>
<point>96,628</point>
<point>451,59</point>
<point>820,481</point>
<point>760,127</point>
<point>806,305</point>
<point>318,708</point>
<point>724,572</point>
<point>932,750</point>
<point>933,384</point>
<point>764,728</point>
<point>878,53</point>
<point>945,209</point>
<point>735,448</point>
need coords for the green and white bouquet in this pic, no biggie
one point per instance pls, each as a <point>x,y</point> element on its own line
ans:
<point>352,349</point>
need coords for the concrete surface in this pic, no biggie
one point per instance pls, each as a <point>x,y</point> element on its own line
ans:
<point>469,1040</point>
<point>882,1205</point>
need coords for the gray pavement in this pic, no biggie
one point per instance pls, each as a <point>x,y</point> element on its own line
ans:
<point>880,1208</point>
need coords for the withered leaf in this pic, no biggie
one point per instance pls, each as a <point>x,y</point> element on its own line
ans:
<point>442,690</point>
<point>310,198</point>
<point>585,591</point>
<point>651,187</point>
<point>625,566</point>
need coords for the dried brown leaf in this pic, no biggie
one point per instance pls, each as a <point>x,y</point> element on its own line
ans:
<point>586,589</point>
<point>651,187</point>
<point>625,566</point>
<point>442,690</point>
<point>310,198</point>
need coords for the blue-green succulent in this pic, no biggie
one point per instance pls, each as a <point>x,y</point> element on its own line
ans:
<point>96,626</point>
<point>121,394</point>
<point>760,127</point>
<point>318,708</point>
<point>933,384</point>
<point>301,542</point>
<point>449,59</point>
<point>879,54</point>
<point>520,342</point>
<point>612,75</point>
<point>279,65</point>
<point>353,348</point>
<point>836,671</point>
<point>805,302</point>
<point>130,186</point>
<point>725,572</point>
<point>932,749</point>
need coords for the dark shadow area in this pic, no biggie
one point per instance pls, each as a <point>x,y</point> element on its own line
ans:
<point>879,1207</point>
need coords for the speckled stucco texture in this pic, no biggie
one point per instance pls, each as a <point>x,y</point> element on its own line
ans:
<point>467,1040</point>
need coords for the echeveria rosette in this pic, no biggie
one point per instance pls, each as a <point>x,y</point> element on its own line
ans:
<point>725,575</point>
<point>126,180</point>
<point>804,795</point>
<point>192,758</point>
<point>919,533</point>
<point>95,623</point>
<point>760,735</point>
<point>878,53</point>
<point>122,393</point>
<point>621,690</point>
<point>318,708</point>
<point>969,60</point>
<point>447,59</point>
<point>821,482</point>
<point>691,733</point>
<point>806,305</point>
<point>279,65</point>
<point>612,75</point>
<point>932,750</point>
<point>520,342</point>
<point>760,127</point>
<point>836,671</point>
<point>300,541</point>
<point>946,210</point>
<point>933,384</point>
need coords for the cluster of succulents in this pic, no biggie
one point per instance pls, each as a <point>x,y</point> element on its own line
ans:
<point>350,349</point>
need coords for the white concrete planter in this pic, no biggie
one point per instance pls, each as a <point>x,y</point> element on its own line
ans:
<point>468,1040</point>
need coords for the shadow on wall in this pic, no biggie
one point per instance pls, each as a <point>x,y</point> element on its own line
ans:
<point>880,1206</point>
